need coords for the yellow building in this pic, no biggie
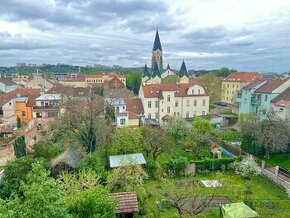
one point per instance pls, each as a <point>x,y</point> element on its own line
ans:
<point>24,108</point>
<point>234,82</point>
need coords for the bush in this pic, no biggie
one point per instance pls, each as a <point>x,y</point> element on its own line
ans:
<point>246,167</point>
<point>249,145</point>
<point>176,165</point>
<point>46,151</point>
<point>20,147</point>
<point>213,164</point>
<point>229,135</point>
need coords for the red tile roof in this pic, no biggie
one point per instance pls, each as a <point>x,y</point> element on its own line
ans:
<point>254,83</point>
<point>271,85</point>
<point>155,90</point>
<point>126,202</point>
<point>242,77</point>
<point>23,92</point>
<point>104,75</point>
<point>7,82</point>
<point>134,107</point>
<point>283,98</point>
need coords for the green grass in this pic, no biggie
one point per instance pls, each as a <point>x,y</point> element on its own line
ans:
<point>282,160</point>
<point>233,187</point>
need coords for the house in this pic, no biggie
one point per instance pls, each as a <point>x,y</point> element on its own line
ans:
<point>135,111</point>
<point>256,97</point>
<point>7,113</point>
<point>127,204</point>
<point>280,105</point>
<point>66,161</point>
<point>182,99</point>
<point>119,105</point>
<point>47,105</point>
<point>127,159</point>
<point>24,108</point>
<point>7,85</point>
<point>39,80</point>
<point>234,82</point>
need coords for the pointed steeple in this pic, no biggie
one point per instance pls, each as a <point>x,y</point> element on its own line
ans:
<point>183,70</point>
<point>157,43</point>
<point>146,72</point>
<point>168,67</point>
<point>155,70</point>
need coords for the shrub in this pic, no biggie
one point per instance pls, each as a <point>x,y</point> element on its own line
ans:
<point>213,164</point>
<point>176,165</point>
<point>229,135</point>
<point>20,147</point>
<point>246,167</point>
<point>249,145</point>
<point>46,151</point>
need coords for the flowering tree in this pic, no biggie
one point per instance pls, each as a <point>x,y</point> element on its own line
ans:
<point>246,167</point>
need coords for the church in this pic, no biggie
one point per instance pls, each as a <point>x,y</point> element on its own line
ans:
<point>162,99</point>
<point>157,73</point>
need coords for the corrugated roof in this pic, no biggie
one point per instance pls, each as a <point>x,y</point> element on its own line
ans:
<point>69,156</point>
<point>127,159</point>
<point>126,202</point>
<point>48,97</point>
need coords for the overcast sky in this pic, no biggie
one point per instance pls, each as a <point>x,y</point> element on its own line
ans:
<point>248,35</point>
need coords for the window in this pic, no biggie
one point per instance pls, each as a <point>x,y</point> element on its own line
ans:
<point>192,91</point>
<point>168,109</point>
<point>177,113</point>
<point>227,92</point>
<point>187,114</point>
<point>266,97</point>
<point>237,86</point>
<point>233,86</point>
<point>23,113</point>
<point>281,109</point>
<point>168,98</point>
<point>199,91</point>
<point>203,112</point>
<point>149,104</point>
<point>187,103</point>
<point>176,103</point>
<point>156,104</point>
<point>203,102</point>
<point>228,85</point>
<point>195,103</point>
<point>149,116</point>
<point>122,121</point>
<point>156,116</point>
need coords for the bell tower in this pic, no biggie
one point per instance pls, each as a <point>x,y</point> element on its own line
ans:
<point>157,53</point>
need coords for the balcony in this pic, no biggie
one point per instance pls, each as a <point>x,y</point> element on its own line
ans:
<point>255,101</point>
<point>239,97</point>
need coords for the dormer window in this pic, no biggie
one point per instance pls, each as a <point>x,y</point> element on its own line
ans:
<point>192,91</point>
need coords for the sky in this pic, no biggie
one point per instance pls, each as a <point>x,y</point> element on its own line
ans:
<point>247,35</point>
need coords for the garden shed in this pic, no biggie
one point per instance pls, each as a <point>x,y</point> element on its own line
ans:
<point>67,161</point>
<point>127,159</point>
<point>238,210</point>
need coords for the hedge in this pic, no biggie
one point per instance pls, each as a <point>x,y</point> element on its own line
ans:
<point>214,164</point>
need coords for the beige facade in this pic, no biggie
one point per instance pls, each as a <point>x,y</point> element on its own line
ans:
<point>168,101</point>
<point>230,89</point>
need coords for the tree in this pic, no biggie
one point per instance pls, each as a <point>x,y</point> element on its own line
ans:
<point>127,177</point>
<point>202,126</point>
<point>211,84</point>
<point>177,128</point>
<point>126,141</point>
<point>19,124</point>
<point>223,72</point>
<point>155,141</point>
<point>85,197</point>
<point>15,172</point>
<point>110,113</point>
<point>133,81</point>
<point>20,147</point>
<point>186,197</point>
<point>246,167</point>
<point>42,196</point>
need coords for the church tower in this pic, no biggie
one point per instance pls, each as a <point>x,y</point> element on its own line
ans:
<point>157,53</point>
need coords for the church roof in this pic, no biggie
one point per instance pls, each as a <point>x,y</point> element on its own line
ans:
<point>183,70</point>
<point>146,72</point>
<point>168,67</point>
<point>155,70</point>
<point>157,43</point>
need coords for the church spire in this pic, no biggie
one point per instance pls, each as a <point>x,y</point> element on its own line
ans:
<point>183,70</point>
<point>155,70</point>
<point>157,43</point>
<point>168,67</point>
<point>146,72</point>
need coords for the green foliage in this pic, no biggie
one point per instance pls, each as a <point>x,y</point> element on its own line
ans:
<point>223,72</point>
<point>177,128</point>
<point>202,126</point>
<point>211,84</point>
<point>46,151</point>
<point>110,113</point>
<point>213,164</point>
<point>171,79</point>
<point>15,172</point>
<point>19,124</point>
<point>176,165</point>
<point>228,135</point>
<point>126,141</point>
<point>249,145</point>
<point>133,81</point>
<point>98,91</point>
<point>127,178</point>
<point>92,203</point>
<point>20,146</point>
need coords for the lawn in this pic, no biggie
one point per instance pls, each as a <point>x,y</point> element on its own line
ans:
<point>268,197</point>
<point>282,160</point>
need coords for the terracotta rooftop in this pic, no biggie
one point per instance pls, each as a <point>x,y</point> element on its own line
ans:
<point>155,90</point>
<point>271,85</point>
<point>7,82</point>
<point>69,91</point>
<point>104,75</point>
<point>282,99</point>
<point>134,107</point>
<point>242,77</point>
<point>254,83</point>
<point>126,202</point>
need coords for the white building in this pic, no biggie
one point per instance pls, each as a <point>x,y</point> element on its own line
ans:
<point>184,99</point>
<point>46,106</point>
<point>281,105</point>
<point>121,114</point>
